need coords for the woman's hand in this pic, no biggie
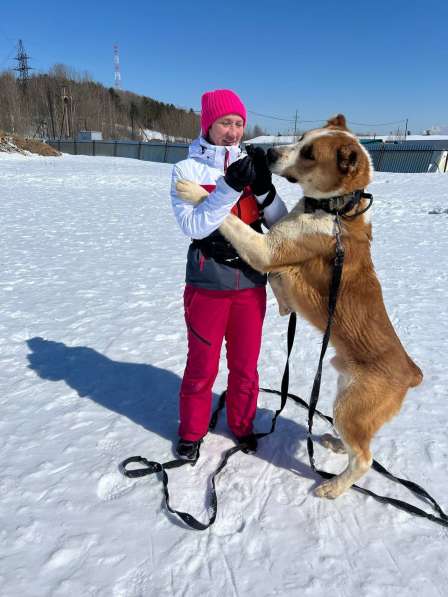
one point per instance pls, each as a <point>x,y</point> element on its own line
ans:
<point>263,176</point>
<point>240,174</point>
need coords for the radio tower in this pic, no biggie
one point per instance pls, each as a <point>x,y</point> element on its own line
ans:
<point>23,69</point>
<point>117,84</point>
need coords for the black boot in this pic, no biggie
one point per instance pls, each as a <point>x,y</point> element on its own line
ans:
<point>187,450</point>
<point>249,442</point>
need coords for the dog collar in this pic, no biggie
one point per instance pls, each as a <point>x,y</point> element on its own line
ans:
<point>339,205</point>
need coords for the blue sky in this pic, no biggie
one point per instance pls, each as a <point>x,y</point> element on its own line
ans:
<point>376,62</point>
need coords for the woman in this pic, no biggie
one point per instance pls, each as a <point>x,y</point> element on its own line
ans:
<point>224,297</point>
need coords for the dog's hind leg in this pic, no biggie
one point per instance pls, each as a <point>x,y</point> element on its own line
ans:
<point>348,417</point>
<point>359,461</point>
<point>333,443</point>
<point>327,440</point>
<point>359,411</point>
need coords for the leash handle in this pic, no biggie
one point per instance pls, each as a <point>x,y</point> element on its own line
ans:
<point>149,468</point>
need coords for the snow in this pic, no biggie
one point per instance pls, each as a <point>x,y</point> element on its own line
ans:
<point>441,129</point>
<point>93,347</point>
<point>428,138</point>
<point>149,134</point>
<point>275,139</point>
<point>288,139</point>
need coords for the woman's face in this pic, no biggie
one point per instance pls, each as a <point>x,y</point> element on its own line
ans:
<point>227,130</point>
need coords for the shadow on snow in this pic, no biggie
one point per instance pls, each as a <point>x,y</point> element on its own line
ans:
<point>148,396</point>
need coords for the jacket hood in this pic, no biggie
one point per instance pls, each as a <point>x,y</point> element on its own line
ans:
<point>213,155</point>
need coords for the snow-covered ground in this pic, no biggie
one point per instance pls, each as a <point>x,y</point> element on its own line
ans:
<point>92,346</point>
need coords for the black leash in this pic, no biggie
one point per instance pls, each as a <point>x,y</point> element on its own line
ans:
<point>338,264</point>
<point>332,299</point>
<point>379,468</point>
<point>151,467</point>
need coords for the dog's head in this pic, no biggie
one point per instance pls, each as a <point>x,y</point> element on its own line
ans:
<point>327,161</point>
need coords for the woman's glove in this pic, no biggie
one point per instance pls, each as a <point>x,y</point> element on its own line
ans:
<point>263,176</point>
<point>240,174</point>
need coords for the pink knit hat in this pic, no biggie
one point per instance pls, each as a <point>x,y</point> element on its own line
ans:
<point>219,103</point>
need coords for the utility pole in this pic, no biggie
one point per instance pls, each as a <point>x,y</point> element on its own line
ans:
<point>406,129</point>
<point>67,113</point>
<point>51,111</point>
<point>133,113</point>
<point>117,83</point>
<point>22,68</point>
<point>295,127</point>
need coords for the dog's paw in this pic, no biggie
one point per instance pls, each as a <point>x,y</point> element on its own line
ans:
<point>329,489</point>
<point>333,443</point>
<point>284,310</point>
<point>190,191</point>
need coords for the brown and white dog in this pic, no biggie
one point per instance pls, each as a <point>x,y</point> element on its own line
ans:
<point>375,371</point>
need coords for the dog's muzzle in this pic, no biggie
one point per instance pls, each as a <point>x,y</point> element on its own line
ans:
<point>272,156</point>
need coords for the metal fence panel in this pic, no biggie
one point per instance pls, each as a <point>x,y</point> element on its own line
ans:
<point>127,150</point>
<point>399,158</point>
<point>67,147</point>
<point>104,148</point>
<point>176,153</point>
<point>152,152</point>
<point>84,148</point>
<point>396,157</point>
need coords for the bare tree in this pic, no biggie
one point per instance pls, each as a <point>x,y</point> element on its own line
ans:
<point>117,114</point>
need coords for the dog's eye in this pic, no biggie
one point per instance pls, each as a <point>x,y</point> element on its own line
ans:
<point>300,139</point>
<point>307,152</point>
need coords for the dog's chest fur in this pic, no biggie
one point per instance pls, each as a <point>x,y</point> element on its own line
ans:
<point>303,287</point>
<point>298,223</point>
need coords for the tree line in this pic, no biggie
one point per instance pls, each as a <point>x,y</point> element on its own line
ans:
<point>63,102</point>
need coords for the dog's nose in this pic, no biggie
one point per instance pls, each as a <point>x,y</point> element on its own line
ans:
<point>272,155</point>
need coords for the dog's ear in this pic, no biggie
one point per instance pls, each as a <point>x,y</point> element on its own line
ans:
<point>338,122</point>
<point>347,158</point>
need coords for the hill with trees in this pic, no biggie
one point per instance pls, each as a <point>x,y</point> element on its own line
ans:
<point>63,102</point>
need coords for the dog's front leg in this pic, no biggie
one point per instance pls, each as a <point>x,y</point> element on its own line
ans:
<point>281,246</point>
<point>251,246</point>
<point>190,191</point>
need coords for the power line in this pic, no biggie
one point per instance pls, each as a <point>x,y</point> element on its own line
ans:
<point>325,119</point>
<point>273,117</point>
<point>320,120</point>
<point>378,123</point>
<point>8,57</point>
<point>300,120</point>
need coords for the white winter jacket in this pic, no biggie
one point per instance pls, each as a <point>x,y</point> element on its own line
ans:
<point>205,165</point>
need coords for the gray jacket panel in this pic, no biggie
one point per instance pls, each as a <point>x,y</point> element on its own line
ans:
<point>209,274</point>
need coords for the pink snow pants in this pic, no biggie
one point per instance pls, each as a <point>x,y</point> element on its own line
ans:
<point>211,316</point>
